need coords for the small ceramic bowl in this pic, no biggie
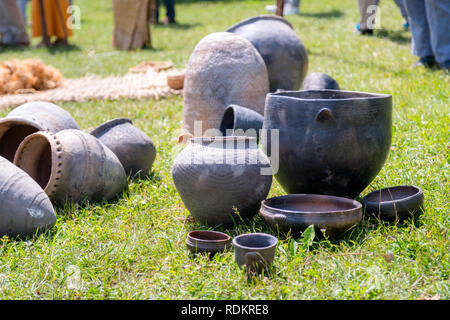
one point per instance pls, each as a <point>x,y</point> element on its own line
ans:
<point>295,212</point>
<point>394,203</point>
<point>206,241</point>
<point>176,81</point>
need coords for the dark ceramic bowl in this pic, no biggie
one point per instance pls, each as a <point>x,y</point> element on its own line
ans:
<point>295,212</point>
<point>394,203</point>
<point>211,242</point>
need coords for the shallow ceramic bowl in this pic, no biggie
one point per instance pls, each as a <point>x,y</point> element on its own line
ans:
<point>295,212</point>
<point>211,242</point>
<point>394,203</point>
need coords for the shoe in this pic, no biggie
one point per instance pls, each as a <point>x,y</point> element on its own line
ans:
<point>168,20</point>
<point>445,66</point>
<point>368,32</point>
<point>427,62</point>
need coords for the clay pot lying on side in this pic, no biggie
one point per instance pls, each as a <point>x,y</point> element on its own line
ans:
<point>319,81</point>
<point>24,207</point>
<point>30,118</point>
<point>282,50</point>
<point>71,166</point>
<point>134,148</point>
<point>239,121</point>
<point>223,69</point>
<point>218,176</point>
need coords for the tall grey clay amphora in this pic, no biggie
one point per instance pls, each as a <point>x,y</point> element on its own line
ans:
<point>331,142</point>
<point>71,166</point>
<point>24,207</point>
<point>217,177</point>
<point>223,69</point>
<point>282,50</point>
<point>30,118</point>
<point>133,147</point>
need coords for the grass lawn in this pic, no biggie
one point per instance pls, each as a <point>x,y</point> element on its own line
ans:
<point>134,248</point>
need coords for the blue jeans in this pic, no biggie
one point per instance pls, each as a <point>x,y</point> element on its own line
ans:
<point>429,20</point>
<point>22,4</point>
<point>170,9</point>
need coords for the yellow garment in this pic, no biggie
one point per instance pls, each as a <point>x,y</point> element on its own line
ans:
<point>56,18</point>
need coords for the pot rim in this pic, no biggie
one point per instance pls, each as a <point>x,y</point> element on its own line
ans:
<point>284,94</point>
<point>108,125</point>
<point>20,120</point>
<point>418,193</point>
<point>356,205</point>
<point>191,236</point>
<point>257,18</point>
<point>275,239</point>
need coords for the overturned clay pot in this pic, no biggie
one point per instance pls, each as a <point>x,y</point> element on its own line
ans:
<point>319,81</point>
<point>29,118</point>
<point>25,209</point>
<point>135,150</point>
<point>71,166</point>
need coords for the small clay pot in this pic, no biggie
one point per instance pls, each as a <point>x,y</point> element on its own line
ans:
<point>25,209</point>
<point>319,81</point>
<point>283,52</point>
<point>237,121</point>
<point>29,118</point>
<point>71,166</point>
<point>223,69</point>
<point>295,212</point>
<point>135,150</point>
<point>206,241</point>
<point>254,251</point>
<point>176,81</point>
<point>394,203</point>
<point>217,177</point>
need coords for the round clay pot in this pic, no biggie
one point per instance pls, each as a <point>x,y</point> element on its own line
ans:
<point>71,166</point>
<point>295,212</point>
<point>24,207</point>
<point>135,150</point>
<point>218,176</point>
<point>319,81</point>
<point>282,50</point>
<point>176,81</point>
<point>394,203</point>
<point>207,241</point>
<point>223,69</point>
<point>330,141</point>
<point>238,121</point>
<point>29,118</point>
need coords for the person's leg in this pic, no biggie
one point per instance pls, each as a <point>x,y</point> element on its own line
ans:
<point>170,10</point>
<point>401,6</point>
<point>367,10</point>
<point>23,8</point>
<point>438,14</point>
<point>418,22</point>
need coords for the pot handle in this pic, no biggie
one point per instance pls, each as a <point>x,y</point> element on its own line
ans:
<point>252,259</point>
<point>325,116</point>
<point>279,219</point>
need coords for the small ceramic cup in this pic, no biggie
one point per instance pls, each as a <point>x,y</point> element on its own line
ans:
<point>254,251</point>
<point>209,242</point>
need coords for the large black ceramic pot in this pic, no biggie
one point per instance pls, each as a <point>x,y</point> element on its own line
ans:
<point>282,50</point>
<point>330,142</point>
<point>218,177</point>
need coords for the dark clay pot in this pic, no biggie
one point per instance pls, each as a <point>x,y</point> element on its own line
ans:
<point>295,212</point>
<point>319,81</point>
<point>330,142</point>
<point>134,148</point>
<point>218,176</point>
<point>71,166</point>
<point>239,121</point>
<point>208,241</point>
<point>24,207</point>
<point>29,118</point>
<point>394,203</point>
<point>254,251</point>
<point>280,47</point>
